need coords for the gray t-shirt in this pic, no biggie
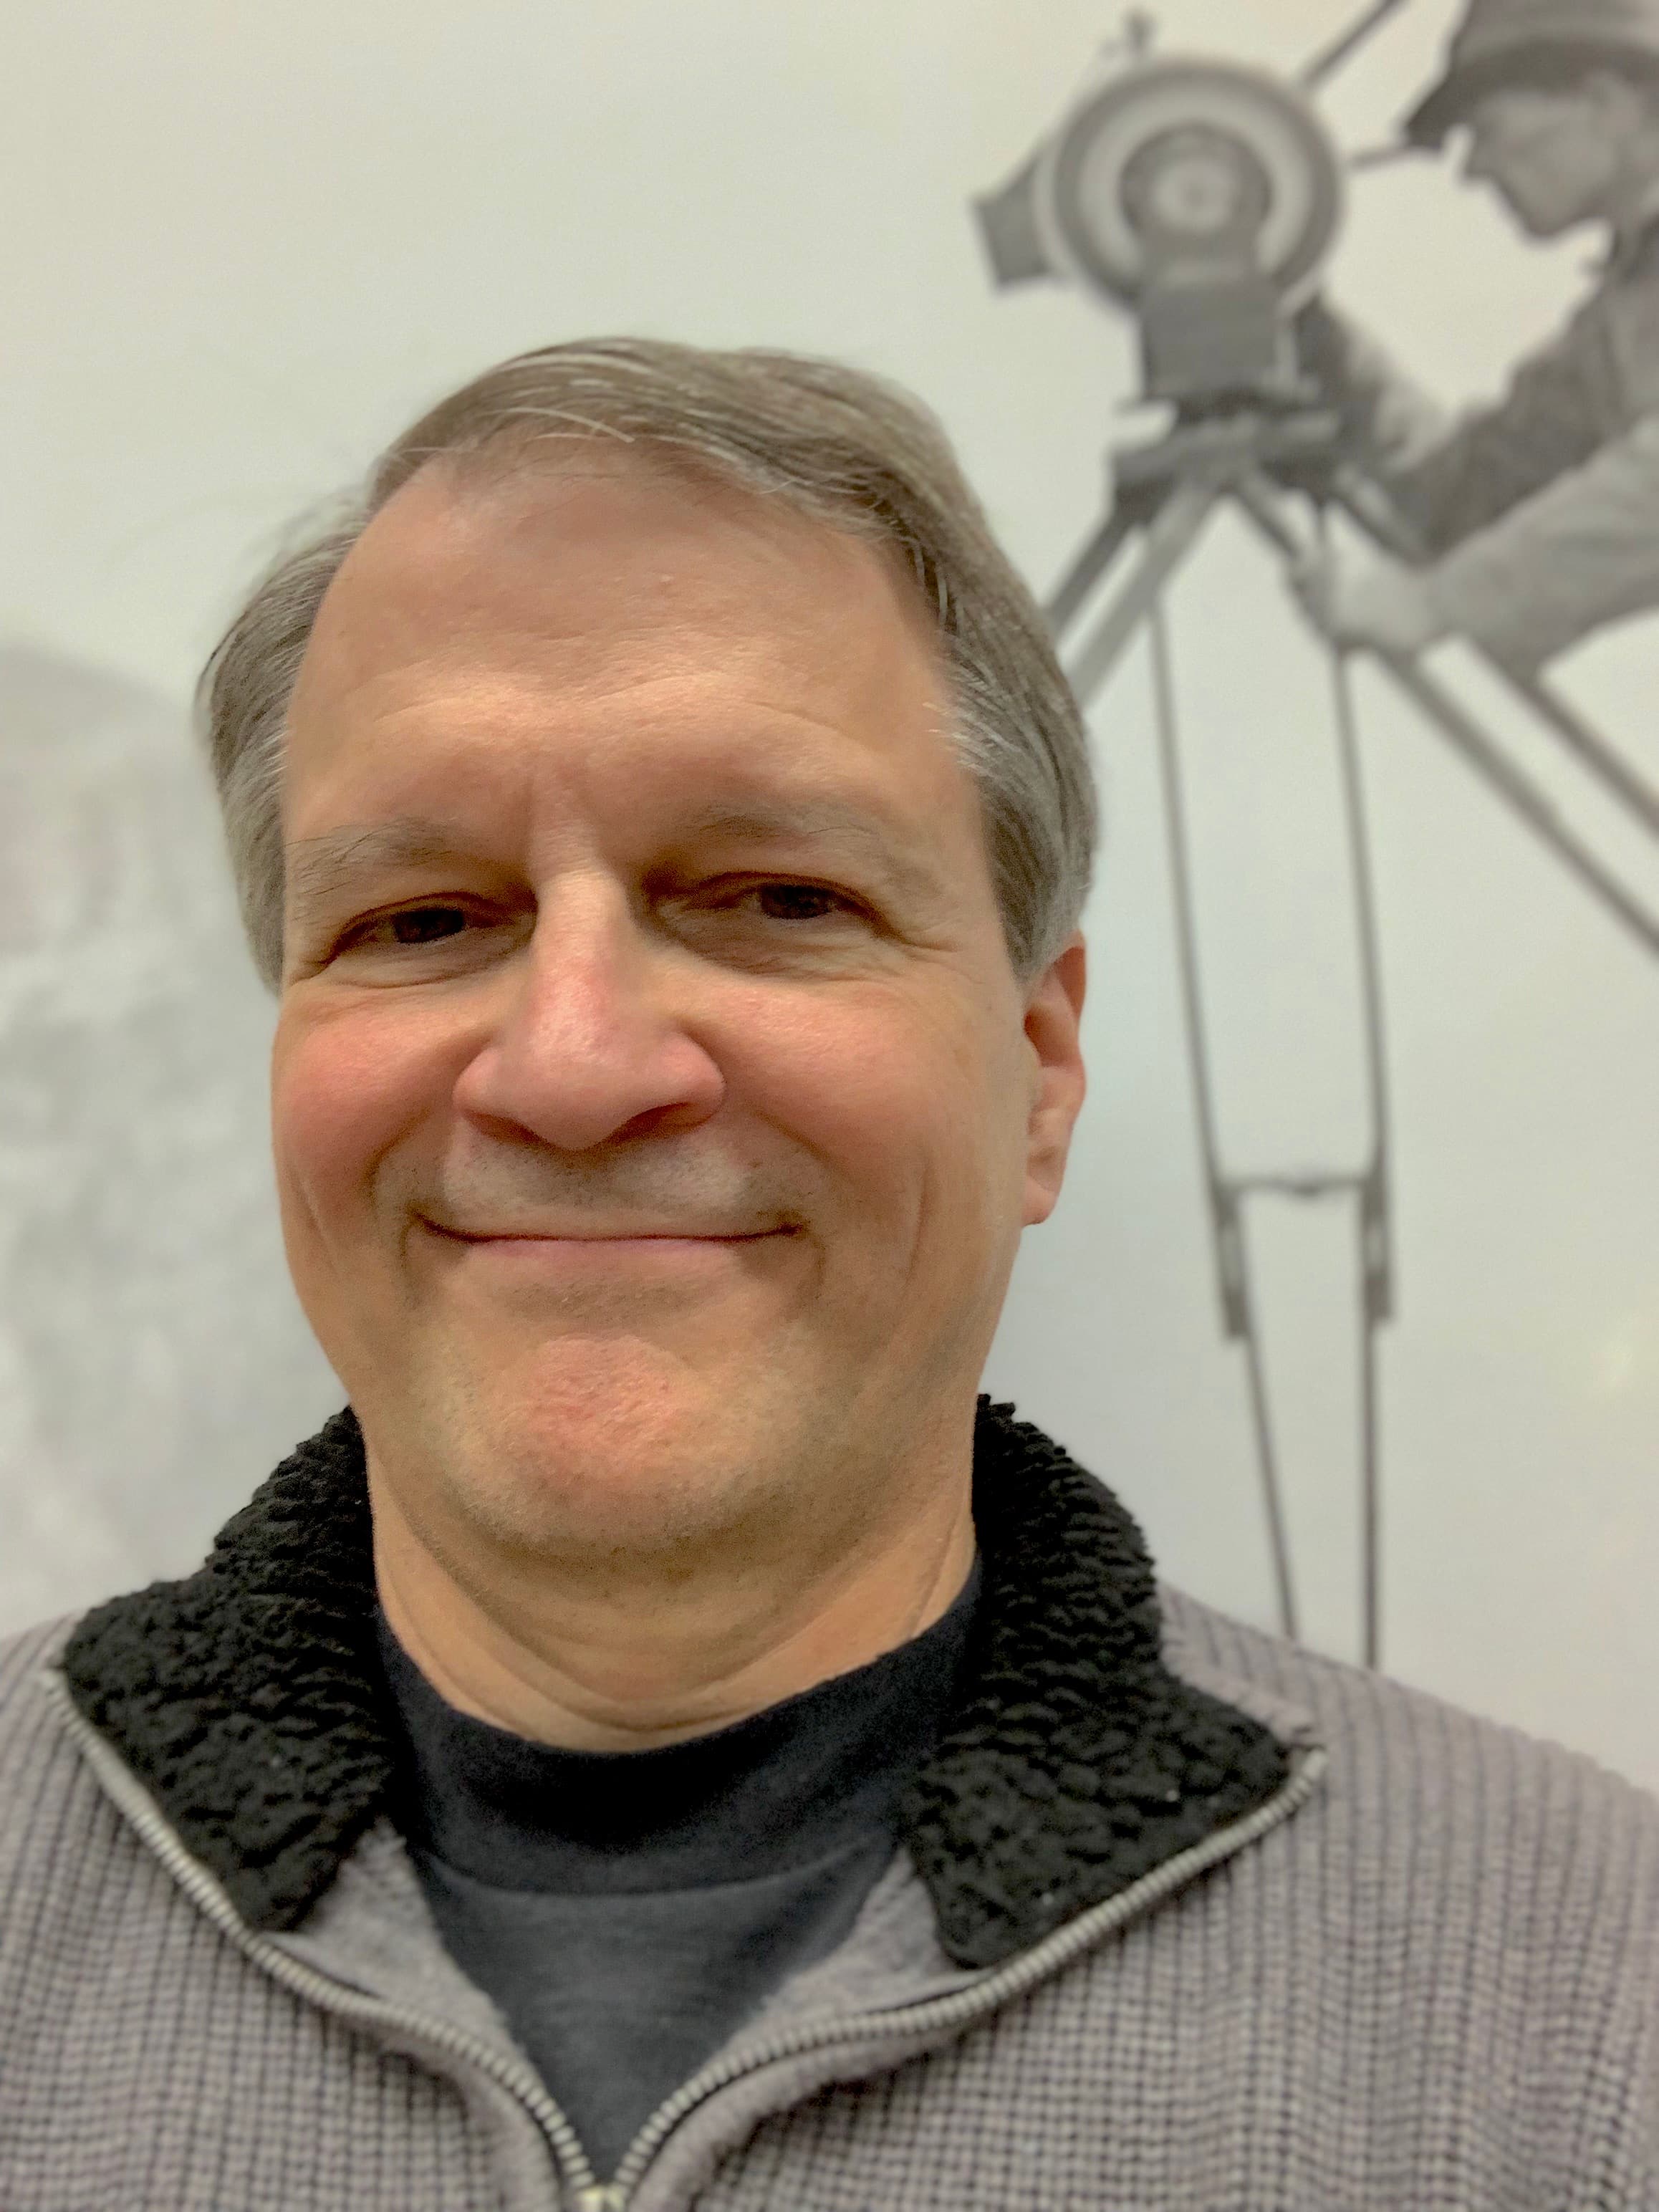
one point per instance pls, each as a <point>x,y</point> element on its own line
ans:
<point>628,1912</point>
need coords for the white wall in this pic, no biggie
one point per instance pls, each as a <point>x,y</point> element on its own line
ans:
<point>245,245</point>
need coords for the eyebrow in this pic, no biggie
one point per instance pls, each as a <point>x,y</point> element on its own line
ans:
<point>322,869</point>
<point>326,867</point>
<point>829,821</point>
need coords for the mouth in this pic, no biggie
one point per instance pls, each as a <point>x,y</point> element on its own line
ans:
<point>679,1265</point>
<point>577,1254</point>
<point>619,1237</point>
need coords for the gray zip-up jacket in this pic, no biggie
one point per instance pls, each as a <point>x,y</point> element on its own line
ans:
<point>1193,1922</point>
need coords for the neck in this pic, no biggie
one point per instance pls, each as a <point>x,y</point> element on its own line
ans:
<point>651,1657</point>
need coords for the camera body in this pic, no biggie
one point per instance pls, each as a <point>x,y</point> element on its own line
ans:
<point>1202,198</point>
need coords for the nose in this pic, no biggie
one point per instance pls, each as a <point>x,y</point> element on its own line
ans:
<point>591,1048</point>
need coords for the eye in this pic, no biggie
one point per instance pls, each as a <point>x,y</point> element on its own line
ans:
<point>796,902</point>
<point>409,927</point>
<point>422,925</point>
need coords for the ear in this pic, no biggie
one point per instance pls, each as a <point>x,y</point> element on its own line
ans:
<point>1054,1013</point>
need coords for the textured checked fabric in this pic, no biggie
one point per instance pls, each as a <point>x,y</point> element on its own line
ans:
<point>1433,1989</point>
<point>1437,1990</point>
<point>144,2065</point>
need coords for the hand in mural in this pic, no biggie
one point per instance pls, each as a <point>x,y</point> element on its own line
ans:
<point>1382,603</point>
<point>1539,511</point>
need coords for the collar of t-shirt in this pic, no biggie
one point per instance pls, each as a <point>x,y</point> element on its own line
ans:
<point>780,1789</point>
<point>627,1912</point>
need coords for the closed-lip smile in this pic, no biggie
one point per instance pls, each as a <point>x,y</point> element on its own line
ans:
<point>585,1235</point>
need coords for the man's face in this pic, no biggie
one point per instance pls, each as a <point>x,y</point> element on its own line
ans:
<point>1553,158</point>
<point>656,1109</point>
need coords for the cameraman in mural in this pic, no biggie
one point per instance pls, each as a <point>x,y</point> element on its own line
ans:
<point>1538,518</point>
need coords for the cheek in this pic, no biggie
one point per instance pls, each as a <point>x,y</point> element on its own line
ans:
<point>1557,181</point>
<point>343,1092</point>
<point>911,1104</point>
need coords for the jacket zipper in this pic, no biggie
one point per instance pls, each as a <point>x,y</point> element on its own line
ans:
<point>579,2183</point>
<point>578,2178</point>
<point>991,1992</point>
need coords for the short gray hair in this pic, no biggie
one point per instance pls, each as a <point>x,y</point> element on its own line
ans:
<point>849,449</point>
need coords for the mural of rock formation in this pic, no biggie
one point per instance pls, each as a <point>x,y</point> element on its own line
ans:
<point>153,1362</point>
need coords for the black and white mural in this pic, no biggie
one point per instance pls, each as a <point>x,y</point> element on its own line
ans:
<point>1202,198</point>
<point>1354,1294</point>
<point>153,1357</point>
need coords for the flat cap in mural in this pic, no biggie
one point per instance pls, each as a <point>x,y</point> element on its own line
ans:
<point>1500,40</point>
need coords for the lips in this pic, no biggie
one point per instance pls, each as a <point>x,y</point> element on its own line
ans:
<point>619,1235</point>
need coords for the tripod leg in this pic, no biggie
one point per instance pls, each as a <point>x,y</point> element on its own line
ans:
<point>1438,707</point>
<point>1372,1315</point>
<point>1375,1224</point>
<point>1369,506</point>
<point>1172,535</point>
<point>1231,1257</point>
<point>1377,1189</point>
<point>1311,1346</point>
<point>1615,774</point>
<point>1267,1447</point>
<point>1085,572</point>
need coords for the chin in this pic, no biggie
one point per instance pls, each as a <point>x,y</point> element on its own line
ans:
<point>1544,222</point>
<point>633,1453</point>
<point>576,1510</point>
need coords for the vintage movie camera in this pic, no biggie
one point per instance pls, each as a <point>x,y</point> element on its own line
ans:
<point>1203,197</point>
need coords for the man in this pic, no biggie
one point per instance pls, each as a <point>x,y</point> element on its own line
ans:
<point>667,1744</point>
<point>1539,517</point>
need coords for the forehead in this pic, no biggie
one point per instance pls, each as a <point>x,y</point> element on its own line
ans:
<point>607,643</point>
<point>607,571</point>
<point>605,651</point>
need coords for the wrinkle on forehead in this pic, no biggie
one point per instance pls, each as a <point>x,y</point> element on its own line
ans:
<point>456,561</point>
<point>452,531</point>
<point>488,621</point>
<point>529,471</point>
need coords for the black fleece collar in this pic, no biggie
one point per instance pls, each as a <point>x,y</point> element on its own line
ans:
<point>250,1699</point>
